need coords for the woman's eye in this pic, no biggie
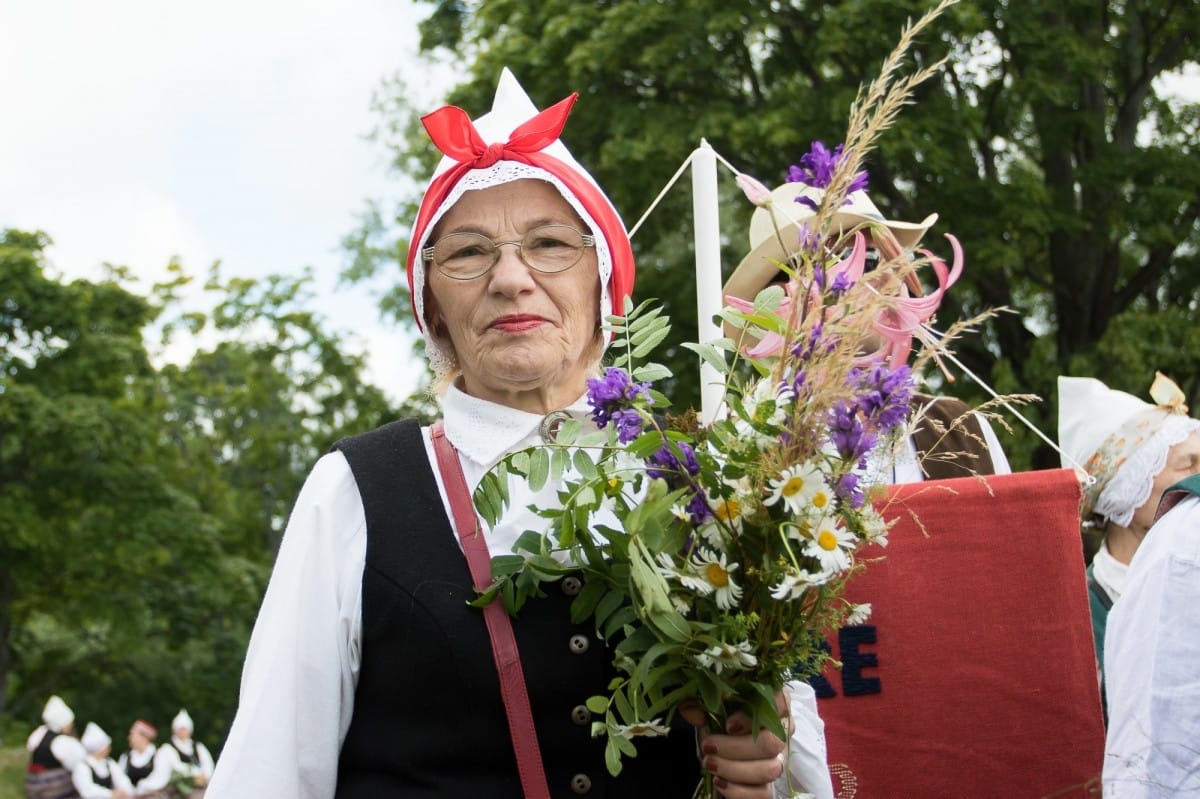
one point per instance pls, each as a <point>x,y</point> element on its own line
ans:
<point>472,251</point>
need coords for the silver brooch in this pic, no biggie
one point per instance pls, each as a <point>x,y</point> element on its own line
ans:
<point>550,425</point>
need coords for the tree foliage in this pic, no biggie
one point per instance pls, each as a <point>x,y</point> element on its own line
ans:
<point>1046,145</point>
<point>141,506</point>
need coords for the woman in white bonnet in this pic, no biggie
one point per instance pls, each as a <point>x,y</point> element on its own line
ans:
<point>53,753</point>
<point>187,756</point>
<point>368,675</point>
<point>1132,450</point>
<point>98,776</point>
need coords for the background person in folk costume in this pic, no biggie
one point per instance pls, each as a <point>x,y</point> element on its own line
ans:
<point>187,757</point>
<point>1134,450</point>
<point>1152,652</point>
<point>946,439</point>
<point>53,753</point>
<point>97,776</point>
<point>149,772</point>
<point>367,674</point>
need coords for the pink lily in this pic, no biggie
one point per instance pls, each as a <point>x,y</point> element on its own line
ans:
<point>900,320</point>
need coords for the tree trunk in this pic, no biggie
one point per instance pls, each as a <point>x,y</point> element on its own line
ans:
<point>6,596</point>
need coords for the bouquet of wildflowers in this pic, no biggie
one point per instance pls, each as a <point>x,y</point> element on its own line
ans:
<point>716,554</point>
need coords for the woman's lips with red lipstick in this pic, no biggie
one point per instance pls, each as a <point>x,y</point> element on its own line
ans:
<point>517,323</point>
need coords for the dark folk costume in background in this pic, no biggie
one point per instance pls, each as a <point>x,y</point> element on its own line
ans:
<point>52,754</point>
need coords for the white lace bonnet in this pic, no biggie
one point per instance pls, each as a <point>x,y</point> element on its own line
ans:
<point>511,142</point>
<point>1120,440</point>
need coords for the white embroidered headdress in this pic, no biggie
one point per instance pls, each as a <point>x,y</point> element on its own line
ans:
<point>511,142</point>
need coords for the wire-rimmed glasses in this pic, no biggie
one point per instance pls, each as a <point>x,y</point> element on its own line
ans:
<point>546,248</point>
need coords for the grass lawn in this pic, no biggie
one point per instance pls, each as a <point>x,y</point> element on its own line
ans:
<point>12,772</point>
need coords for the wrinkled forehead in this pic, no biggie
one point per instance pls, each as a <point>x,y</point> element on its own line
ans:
<point>517,205</point>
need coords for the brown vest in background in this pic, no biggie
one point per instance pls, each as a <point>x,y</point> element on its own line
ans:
<point>948,438</point>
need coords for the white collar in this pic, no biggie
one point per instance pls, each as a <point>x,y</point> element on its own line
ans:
<point>485,431</point>
<point>1109,571</point>
<point>142,757</point>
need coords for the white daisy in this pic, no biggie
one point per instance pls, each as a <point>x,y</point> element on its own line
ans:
<point>642,729</point>
<point>859,614</point>
<point>736,657</point>
<point>708,573</point>
<point>821,500</point>
<point>830,545</point>
<point>727,515</point>
<point>875,528</point>
<point>795,582</point>
<point>799,486</point>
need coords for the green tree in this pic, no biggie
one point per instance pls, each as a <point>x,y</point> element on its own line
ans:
<point>92,527</point>
<point>140,507</point>
<point>1046,145</point>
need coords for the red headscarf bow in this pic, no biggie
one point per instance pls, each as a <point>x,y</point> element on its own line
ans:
<point>452,132</point>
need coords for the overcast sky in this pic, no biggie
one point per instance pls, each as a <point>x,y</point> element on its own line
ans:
<point>135,130</point>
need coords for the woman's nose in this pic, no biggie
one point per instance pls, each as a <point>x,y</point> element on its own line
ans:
<point>510,274</point>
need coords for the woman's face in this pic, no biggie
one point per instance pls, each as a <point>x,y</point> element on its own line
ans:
<point>1183,460</point>
<point>520,337</point>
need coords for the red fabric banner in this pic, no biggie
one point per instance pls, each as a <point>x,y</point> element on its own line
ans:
<point>975,675</point>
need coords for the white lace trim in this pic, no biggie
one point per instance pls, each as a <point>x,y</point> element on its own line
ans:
<point>1130,487</point>
<point>498,174</point>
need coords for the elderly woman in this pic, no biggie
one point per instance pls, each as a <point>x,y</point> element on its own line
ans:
<point>368,675</point>
<point>1133,450</point>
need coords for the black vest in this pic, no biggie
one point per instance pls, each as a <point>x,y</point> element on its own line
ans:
<point>41,754</point>
<point>138,773</point>
<point>192,759</point>
<point>106,781</point>
<point>428,718</point>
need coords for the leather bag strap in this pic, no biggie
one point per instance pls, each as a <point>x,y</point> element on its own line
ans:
<point>504,643</point>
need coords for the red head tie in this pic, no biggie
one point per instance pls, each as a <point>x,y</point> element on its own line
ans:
<point>454,134</point>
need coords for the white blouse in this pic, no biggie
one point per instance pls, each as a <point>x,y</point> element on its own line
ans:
<point>297,693</point>
<point>1152,665</point>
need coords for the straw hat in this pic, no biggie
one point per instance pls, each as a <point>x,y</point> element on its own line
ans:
<point>782,218</point>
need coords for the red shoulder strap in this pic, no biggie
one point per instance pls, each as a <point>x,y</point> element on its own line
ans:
<point>504,643</point>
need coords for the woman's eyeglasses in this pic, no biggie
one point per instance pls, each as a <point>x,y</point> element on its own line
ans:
<point>549,249</point>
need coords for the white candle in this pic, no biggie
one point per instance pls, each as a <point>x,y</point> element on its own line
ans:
<point>707,220</point>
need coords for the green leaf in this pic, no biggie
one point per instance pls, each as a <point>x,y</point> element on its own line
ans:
<point>710,354</point>
<point>597,704</point>
<point>651,372</point>
<point>539,469</point>
<point>503,565</point>
<point>650,342</point>
<point>612,756</point>
<point>568,432</point>
<point>584,465</point>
